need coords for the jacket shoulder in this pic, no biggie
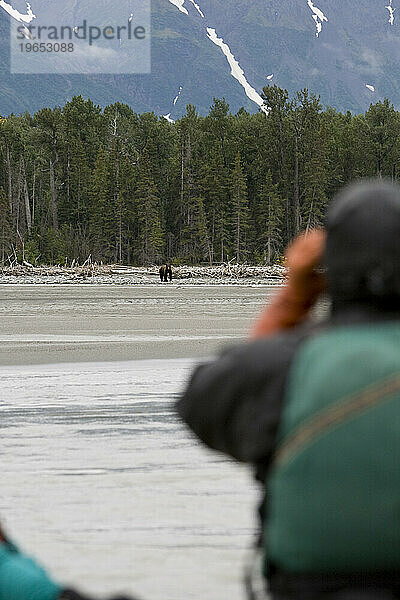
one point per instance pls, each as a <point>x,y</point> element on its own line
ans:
<point>234,403</point>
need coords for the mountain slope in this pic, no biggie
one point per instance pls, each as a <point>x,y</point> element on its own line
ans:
<point>355,47</point>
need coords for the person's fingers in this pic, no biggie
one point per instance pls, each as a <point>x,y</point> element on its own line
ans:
<point>293,302</point>
<point>306,251</point>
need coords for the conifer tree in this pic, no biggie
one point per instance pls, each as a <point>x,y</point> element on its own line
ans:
<point>102,211</point>
<point>240,210</point>
<point>269,219</point>
<point>149,231</point>
<point>5,227</point>
<point>214,190</point>
<point>127,209</point>
<point>195,235</point>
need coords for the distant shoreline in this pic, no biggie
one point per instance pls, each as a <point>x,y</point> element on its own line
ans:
<point>95,274</point>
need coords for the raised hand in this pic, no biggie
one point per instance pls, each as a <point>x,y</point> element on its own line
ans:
<point>305,283</point>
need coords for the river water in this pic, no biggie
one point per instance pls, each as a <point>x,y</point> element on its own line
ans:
<point>100,480</point>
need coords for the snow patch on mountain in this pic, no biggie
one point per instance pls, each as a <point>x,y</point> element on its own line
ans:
<point>197,7</point>
<point>318,16</point>
<point>236,70</point>
<point>178,96</point>
<point>168,118</point>
<point>15,14</point>
<point>391,12</point>
<point>179,4</point>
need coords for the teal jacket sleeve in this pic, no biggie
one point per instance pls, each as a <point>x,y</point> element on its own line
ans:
<point>22,579</point>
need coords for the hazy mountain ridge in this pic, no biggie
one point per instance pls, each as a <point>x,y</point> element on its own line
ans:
<point>356,47</point>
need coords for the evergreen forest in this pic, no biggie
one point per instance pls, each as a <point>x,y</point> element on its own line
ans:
<point>113,186</point>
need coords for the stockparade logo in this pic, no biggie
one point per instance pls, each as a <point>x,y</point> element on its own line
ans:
<point>99,43</point>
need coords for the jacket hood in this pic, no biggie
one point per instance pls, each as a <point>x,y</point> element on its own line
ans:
<point>362,254</point>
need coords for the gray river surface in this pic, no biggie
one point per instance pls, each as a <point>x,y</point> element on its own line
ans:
<point>100,480</point>
<point>65,323</point>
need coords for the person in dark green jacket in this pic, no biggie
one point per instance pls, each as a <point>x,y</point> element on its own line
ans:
<point>315,407</point>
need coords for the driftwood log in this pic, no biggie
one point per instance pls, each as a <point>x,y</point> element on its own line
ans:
<point>229,271</point>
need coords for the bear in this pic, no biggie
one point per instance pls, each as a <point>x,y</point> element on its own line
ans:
<point>165,272</point>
